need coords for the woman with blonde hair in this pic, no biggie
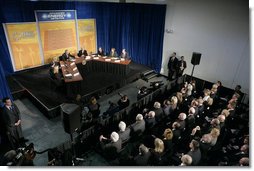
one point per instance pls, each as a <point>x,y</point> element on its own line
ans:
<point>215,132</point>
<point>168,143</point>
<point>157,152</point>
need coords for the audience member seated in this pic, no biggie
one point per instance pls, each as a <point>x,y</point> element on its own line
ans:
<point>124,132</point>
<point>82,52</point>
<point>167,140</point>
<point>186,160</point>
<point>238,91</point>
<point>158,111</point>
<point>181,121</point>
<point>191,119</point>
<point>157,153</point>
<point>94,107</point>
<point>166,107</point>
<point>176,132</point>
<point>113,108</point>
<point>86,118</point>
<point>138,127</point>
<point>150,120</point>
<point>143,156</point>
<point>215,132</point>
<point>207,93</point>
<point>205,146</point>
<point>194,152</point>
<point>111,147</point>
<point>244,161</point>
<point>123,102</point>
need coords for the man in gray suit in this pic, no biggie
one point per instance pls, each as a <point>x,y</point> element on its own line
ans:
<point>12,121</point>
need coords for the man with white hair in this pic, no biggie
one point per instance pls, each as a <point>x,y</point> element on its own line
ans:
<point>181,120</point>
<point>139,125</point>
<point>114,143</point>
<point>158,111</point>
<point>191,118</point>
<point>124,133</point>
<point>150,119</point>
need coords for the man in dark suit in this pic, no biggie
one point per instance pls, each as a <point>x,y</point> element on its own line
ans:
<point>82,52</point>
<point>124,55</point>
<point>139,125</point>
<point>181,66</point>
<point>195,152</point>
<point>12,120</point>
<point>172,66</point>
<point>66,55</point>
<point>113,53</point>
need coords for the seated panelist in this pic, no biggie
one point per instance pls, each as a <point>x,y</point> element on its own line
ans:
<point>66,55</point>
<point>100,52</point>
<point>124,55</point>
<point>82,52</point>
<point>113,53</point>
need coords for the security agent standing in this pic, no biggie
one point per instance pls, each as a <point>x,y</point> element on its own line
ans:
<point>172,67</point>
<point>12,121</point>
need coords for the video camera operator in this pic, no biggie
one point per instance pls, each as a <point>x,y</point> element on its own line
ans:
<point>20,157</point>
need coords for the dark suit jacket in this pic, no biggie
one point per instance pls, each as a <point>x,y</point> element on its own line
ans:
<point>138,126</point>
<point>150,122</point>
<point>125,135</point>
<point>196,156</point>
<point>66,57</point>
<point>125,56</point>
<point>84,52</point>
<point>142,160</point>
<point>172,65</point>
<point>113,54</point>
<point>158,114</point>
<point>7,113</point>
<point>117,145</point>
<point>101,53</point>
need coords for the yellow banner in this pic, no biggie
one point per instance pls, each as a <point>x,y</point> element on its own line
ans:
<point>56,37</point>
<point>23,41</point>
<point>87,35</point>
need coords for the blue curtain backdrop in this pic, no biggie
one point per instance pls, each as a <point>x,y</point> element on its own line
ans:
<point>139,28</point>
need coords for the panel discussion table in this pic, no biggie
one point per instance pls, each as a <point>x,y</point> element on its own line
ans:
<point>74,70</point>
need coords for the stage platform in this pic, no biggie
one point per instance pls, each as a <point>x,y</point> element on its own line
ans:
<point>36,85</point>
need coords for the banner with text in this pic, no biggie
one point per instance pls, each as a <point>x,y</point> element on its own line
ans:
<point>57,32</point>
<point>23,45</point>
<point>87,35</point>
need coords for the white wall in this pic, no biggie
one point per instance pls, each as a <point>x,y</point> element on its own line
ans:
<point>219,29</point>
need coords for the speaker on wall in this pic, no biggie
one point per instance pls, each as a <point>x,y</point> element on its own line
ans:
<point>195,60</point>
<point>70,114</point>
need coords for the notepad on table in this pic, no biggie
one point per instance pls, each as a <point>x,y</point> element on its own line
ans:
<point>76,74</point>
<point>96,58</point>
<point>117,60</point>
<point>107,60</point>
<point>88,57</point>
<point>74,69</point>
<point>73,63</point>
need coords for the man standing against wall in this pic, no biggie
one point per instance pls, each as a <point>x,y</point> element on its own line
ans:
<point>172,67</point>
